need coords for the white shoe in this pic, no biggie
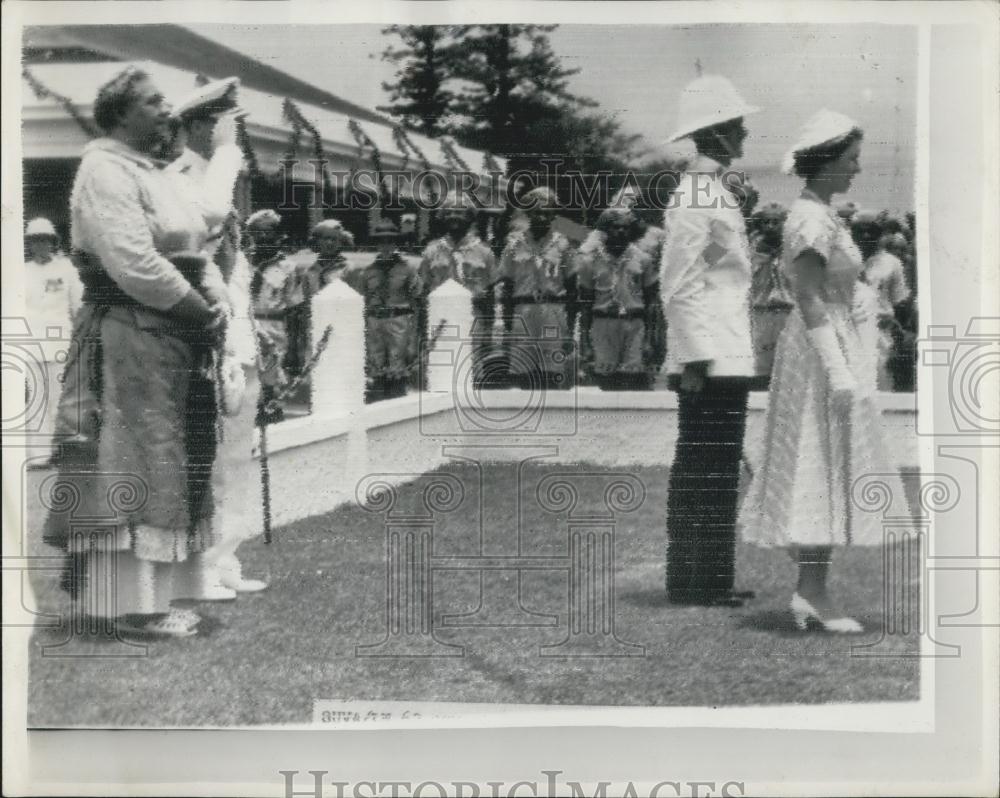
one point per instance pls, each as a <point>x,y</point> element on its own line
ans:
<point>216,593</point>
<point>803,612</point>
<point>237,584</point>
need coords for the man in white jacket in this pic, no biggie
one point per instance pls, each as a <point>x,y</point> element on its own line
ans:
<point>705,286</point>
<point>207,118</point>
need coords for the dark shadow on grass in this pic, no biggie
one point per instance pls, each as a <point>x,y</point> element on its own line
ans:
<point>777,621</point>
<point>656,599</point>
<point>780,622</point>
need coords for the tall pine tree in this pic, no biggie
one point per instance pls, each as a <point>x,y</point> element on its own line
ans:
<point>503,89</point>
<point>510,79</point>
<point>419,98</point>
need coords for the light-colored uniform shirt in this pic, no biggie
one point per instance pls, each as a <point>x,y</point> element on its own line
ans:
<point>705,275</point>
<point>469,262</point>
<point>386,283</point>
<point>537,268</point>
<point>770,287</point>
<point>617,283</point>
<point>53,293</point>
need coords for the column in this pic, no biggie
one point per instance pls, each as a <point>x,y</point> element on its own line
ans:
<point>409,531</point>
<point>591,552</point>
<point>501,595</point>
<point>905,588</point>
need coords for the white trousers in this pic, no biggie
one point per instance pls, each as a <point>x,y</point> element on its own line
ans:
<point>236,485</point>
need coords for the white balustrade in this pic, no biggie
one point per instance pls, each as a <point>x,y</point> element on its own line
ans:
<point>338,380</point>
<point>449,364</point>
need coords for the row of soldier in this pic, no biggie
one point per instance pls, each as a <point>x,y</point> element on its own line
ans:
<point>563,310</point>
<point>888,247</point>
<point>588,313</point>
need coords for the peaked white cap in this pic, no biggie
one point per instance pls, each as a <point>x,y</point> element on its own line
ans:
<point>40,227</point>
<point>216,97</point>
<point>706,101</point>
<point>823,127</point>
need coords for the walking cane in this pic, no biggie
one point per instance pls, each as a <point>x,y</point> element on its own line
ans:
<point>268,407</point>
<point>265,481</point>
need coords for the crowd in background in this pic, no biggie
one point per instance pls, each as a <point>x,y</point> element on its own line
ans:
<point>396,279</point>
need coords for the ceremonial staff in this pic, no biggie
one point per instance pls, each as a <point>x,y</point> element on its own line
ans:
<point>270,407</point>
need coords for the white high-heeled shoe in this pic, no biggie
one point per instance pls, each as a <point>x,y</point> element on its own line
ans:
<point>803,611</point>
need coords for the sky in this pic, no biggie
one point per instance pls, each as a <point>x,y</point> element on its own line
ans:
<point>636,73</point>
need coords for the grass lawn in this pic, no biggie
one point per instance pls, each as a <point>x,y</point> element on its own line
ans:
<point>265,658</point>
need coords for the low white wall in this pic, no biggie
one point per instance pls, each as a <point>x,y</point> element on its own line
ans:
<point>317,461</point>
<point>314,468</point>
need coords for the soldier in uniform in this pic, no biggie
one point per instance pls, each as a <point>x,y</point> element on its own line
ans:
<point>770,294</point>
<point>885,274</point>
<point>655,352</point>
<point>617,281</point>
<point>461,255</point>
<point>391,288</point>
<point>537,266</point>
<point>328,239</point>
<point>275,287</point>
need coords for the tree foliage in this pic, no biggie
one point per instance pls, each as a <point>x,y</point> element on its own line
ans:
<point>418,96</point>
<point>503,89</point>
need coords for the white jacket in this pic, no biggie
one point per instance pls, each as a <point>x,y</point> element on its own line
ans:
<point>705,276</point>
<point>211,183</point>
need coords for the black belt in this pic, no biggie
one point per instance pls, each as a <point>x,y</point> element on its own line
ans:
<point>543,299</point>
<point>634,313</point>
<point>274,315</point>
<point>100,289</point>
<point>389,313</point>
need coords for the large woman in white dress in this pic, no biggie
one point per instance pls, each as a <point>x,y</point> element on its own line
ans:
<point>823,421</point>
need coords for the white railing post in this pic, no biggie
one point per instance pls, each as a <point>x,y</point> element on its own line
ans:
<point>338,380</point>
<point>449,362</point>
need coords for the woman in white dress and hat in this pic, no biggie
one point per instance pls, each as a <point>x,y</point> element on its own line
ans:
<point>823,422</point>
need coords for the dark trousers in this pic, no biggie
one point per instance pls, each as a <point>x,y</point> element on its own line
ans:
<point>702,498</point>
<point>483,315</point>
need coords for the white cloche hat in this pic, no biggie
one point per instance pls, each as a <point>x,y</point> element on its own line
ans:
<point>40,227</point>
<point>706,101</point>
<point>823,127</point>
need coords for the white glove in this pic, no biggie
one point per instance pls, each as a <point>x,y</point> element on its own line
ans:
<point>862,304</point>
<point>224,133</point>
<point>233,387</point>
<point>219,182</point>
<point>825,342</point>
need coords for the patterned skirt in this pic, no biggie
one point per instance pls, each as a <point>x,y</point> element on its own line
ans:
<point>814,462</point>
<point>142,482</point>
